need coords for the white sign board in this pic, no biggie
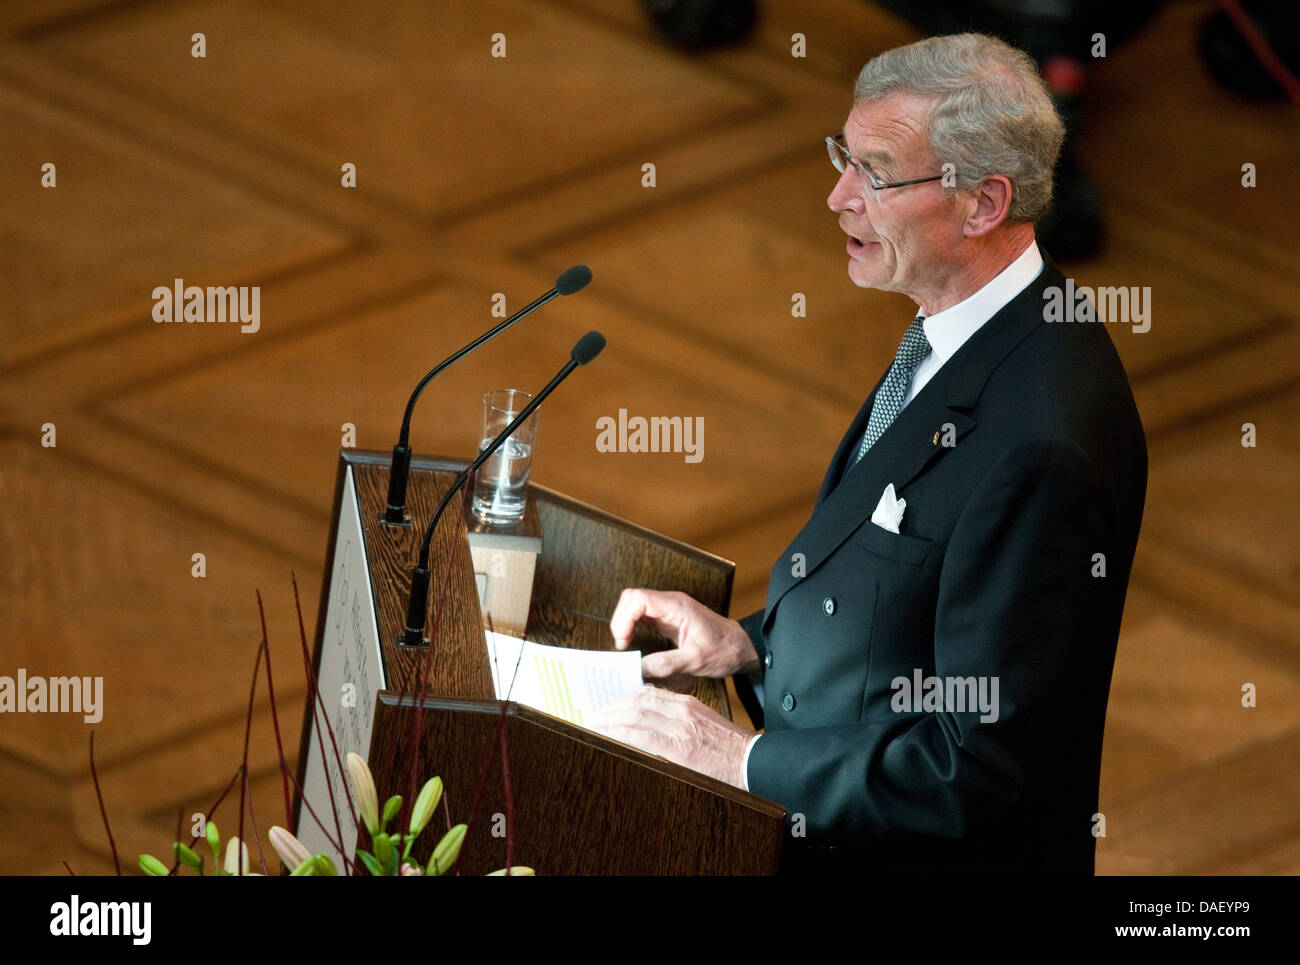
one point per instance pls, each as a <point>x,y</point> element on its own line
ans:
<point>351,674</point>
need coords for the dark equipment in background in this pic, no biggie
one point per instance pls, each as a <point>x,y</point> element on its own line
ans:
<point>1250,47</point>
<point>701,24</point>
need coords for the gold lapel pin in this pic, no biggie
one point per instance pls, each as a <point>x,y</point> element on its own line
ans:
<point>935,440</point>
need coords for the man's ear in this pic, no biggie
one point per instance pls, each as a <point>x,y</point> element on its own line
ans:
<point>992,204</point>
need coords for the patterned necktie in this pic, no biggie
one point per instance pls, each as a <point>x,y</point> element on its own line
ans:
<point>889,399</point>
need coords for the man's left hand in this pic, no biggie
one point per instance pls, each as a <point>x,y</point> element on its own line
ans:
<point>680,728</point>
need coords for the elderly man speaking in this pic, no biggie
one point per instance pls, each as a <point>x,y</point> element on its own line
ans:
<point>935,655</point>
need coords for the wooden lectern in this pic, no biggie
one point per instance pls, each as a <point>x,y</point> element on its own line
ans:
<point>582,803</point>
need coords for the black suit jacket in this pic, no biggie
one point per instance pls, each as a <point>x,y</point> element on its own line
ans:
<point>994,574</point>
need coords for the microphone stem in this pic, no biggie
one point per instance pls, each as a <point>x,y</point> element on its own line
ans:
<point>486,454</point>
<point>456,357</point>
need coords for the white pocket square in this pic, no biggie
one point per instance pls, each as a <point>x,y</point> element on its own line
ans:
<point>889,511</point>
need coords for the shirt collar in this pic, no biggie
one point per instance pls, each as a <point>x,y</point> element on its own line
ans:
<point>948,330</point>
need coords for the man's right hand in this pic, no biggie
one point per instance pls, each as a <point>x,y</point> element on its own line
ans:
<point>708,645</point>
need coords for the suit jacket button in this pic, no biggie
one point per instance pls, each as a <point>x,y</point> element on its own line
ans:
<point>767,659</point>
<point>828,605</point>
<point>787,701</point>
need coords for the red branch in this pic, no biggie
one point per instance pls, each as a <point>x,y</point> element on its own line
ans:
<point>257,835</point>
<point>94,776</point>
<point>412,757</point>
<point>317,704</point>
<point>180,820</point>
<point>213,810</point>
<point>480,786</point>
<point>1267,58</point>
<point>243,767</point>
<point>333,842</point>
<point>510,797</point>
<point>275,717</point>
<point>318,711</point>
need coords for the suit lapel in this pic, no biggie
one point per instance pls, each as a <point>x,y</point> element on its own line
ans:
<point>848,445</point>
<point>913,441</point>
<point>898,457</point>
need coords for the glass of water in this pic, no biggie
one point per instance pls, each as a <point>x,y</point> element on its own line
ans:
<point>499,487</point>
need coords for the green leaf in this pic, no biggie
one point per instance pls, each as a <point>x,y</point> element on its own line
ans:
<point>188,857</point>
<point>447,851</point>
<point>306,869</point>
<point>324,866</point>
<point>391,807</point>
<point>372,865</point>
<point>152,866</point>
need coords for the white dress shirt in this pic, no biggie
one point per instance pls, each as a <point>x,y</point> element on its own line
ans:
<point>947,331</point>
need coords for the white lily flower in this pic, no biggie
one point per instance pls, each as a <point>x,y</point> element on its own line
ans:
<point>363,783</point>
<point>237,859</point>
<point>291,851</point>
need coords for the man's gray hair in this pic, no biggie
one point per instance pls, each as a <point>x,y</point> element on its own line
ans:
<point>991,113</point>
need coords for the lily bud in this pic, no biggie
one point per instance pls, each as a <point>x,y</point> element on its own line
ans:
<point>152,866</point>
<point>363,783</point>
<point>236,857</point>
<point>447,851</point>
<point>188,857</point>
<point>291,851</point>
<point>425,804</point>
<point>391,807</point>
<point>383,850</point>
<point>214,841</point>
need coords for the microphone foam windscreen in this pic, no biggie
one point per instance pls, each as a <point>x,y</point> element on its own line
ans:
<point>588,347</point>
<point>573,280</point>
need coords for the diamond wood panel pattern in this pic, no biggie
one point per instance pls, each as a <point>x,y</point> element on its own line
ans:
<point>1176,683</point>
<point>479,175</point>
<point>645,370</point>
<point>371,85</point>
<point>165,221</point>
<point>107,580</point>
<point>1241,528</point>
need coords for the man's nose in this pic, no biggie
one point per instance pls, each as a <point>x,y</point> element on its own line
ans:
<point>847,193</point>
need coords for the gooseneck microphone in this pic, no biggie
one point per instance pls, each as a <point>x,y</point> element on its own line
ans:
<point>573,280</point>
<point>586,349</point>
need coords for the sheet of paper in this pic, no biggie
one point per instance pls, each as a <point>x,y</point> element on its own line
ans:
<point>564,683</point>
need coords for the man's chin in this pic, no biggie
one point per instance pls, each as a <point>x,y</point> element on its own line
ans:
<point>863,277</point>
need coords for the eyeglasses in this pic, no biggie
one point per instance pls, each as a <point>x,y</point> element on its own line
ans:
<point>840,156</point>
